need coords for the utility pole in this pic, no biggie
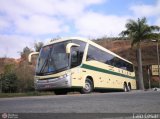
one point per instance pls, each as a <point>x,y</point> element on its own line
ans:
<point>1,83</point>
<point>149,78</point>
<point>158,63</point>
<point>157,60</point>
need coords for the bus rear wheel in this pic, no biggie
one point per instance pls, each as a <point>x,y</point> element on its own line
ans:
<point>88,87</point>
<point>129,87</point>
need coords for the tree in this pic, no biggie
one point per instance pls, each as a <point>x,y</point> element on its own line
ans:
<point>24,54</point>
<point>138,31</point>
<point>25,76</point>
<point>38,46</point>
<point>9,79</point>
<point>25,72</point>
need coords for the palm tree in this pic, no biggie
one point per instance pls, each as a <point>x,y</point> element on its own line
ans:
<point>139,31</point>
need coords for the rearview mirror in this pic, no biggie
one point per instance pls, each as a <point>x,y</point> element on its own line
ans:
<point>69,45</point>
<point>30,56</point>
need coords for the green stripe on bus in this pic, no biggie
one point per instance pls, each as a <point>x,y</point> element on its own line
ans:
<point>105,71</point>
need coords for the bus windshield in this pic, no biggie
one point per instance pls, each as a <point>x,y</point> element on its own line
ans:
<point>52,59</point>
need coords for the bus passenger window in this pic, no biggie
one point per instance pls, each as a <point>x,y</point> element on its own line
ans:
<point>89,57</point>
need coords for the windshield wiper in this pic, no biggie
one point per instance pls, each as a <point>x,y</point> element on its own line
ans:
<point>45,63</point>
<point>43,66</point>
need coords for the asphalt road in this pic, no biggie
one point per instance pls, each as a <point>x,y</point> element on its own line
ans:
<point>117,102</point>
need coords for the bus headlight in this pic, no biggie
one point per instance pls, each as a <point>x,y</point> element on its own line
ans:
<point>65,75</point>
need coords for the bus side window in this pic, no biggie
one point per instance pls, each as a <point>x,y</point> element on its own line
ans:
<point>92,53</point>
<point>89,57</point>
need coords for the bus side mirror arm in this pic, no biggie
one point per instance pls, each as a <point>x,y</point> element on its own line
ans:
<point>69,45</point>
<point>30,56</point>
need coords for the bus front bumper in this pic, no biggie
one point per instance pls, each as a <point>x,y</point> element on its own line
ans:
<point>53,83</point>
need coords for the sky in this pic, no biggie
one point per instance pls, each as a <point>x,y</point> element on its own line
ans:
<point>24,22</point>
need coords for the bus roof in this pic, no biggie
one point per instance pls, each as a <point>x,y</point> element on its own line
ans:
<point>87,41</point>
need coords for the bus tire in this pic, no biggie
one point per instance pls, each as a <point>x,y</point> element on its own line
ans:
<point>88,87</point>
<point>129,87</point>
<point>60,92</point>
<point>125,88</point>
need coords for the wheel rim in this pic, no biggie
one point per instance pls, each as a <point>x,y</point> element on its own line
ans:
<point>125,88</point>
<point>87,86</point>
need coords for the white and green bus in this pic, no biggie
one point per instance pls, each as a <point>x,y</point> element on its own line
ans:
<point>78,63</point>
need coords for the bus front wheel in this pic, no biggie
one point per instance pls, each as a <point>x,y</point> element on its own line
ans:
<point>88,87</point>
<point>125,88</point>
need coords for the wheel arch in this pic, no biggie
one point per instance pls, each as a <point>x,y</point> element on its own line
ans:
<point>125,83</point>
<point>129,84</point>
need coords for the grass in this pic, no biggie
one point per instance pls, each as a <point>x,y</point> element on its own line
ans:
<point>8,95</point>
